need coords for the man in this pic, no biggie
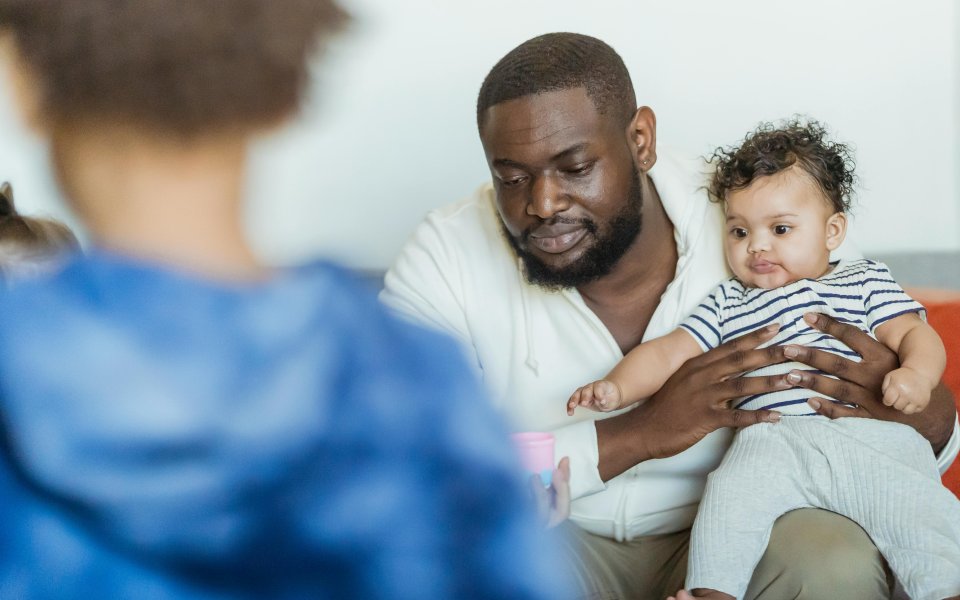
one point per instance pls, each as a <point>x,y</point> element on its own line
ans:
<point>587,242</point>
<point>182,421</point>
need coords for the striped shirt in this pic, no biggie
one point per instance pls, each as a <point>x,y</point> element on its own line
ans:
<point>860,292</point>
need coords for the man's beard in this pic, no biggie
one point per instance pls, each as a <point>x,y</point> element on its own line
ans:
<point>609,247</point>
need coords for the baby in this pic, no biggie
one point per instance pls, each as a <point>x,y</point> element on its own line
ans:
<point>30,245</point>
<point>785,192</point>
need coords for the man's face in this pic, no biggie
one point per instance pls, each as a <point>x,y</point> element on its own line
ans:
<point>568,191</point>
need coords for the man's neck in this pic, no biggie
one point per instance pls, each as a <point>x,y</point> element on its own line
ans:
<point>625,299</point>
<point>166,200</point>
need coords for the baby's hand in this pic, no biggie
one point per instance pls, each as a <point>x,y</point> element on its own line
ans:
<point>906,390</point>
<point>603,395</point>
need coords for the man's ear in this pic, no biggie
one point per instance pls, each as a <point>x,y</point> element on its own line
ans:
<point>642,138</point>
<point>23,83</point>
<point>836,230</point>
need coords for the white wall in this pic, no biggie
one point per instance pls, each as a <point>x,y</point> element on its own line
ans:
<point>391,133</point>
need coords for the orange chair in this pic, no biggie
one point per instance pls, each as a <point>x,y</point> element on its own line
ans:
<point>943,314</point>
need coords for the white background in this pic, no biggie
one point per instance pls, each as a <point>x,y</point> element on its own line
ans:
<point>390,131</point>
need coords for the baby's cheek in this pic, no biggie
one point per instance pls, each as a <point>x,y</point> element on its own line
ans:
<point>738,264</point>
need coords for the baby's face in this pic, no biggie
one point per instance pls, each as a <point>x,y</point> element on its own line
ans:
<point>780,229</point>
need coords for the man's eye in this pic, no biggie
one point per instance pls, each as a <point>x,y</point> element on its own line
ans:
<point>782,229</point>
<point>512,181</point>
<point>738,232</point>
<point>581,169</point>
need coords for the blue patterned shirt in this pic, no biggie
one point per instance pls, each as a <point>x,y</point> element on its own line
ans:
<point>168,437</point>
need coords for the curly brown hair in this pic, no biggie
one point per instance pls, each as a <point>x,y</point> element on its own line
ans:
<point>773,148</point>
<point>186,67</point>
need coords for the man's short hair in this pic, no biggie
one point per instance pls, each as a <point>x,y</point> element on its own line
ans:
<point>772,148</point>
<point>561,61</point>
<point>185,67</point>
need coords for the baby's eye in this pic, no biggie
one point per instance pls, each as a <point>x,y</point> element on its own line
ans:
<point>738,232</point>
<point>782,229</point>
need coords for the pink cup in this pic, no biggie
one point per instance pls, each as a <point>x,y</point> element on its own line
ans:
<point>536,453</point>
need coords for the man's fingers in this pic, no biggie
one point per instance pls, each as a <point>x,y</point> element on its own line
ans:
<point>855,338</point>
<point>541,497</point>
<point>736,349</point>
<point>838,389</point>
<point>828,362</point>
<point>739,387</point>
<point>561,487</point>
<point>745,418</point>
<point>738,363</point>
<point>833,410</point>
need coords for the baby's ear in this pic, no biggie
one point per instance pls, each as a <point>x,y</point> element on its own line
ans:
<point>836,230</point>
<point>6,200</point>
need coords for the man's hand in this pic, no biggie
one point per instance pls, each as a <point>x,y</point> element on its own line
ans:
<point>861,384</point>
<point>694,402</point>
<point>553,504</point>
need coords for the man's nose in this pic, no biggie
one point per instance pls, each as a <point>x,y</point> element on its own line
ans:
<point>547,197</point>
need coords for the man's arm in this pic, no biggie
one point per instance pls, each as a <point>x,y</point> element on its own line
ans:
<point>425,284</point>
<point>861,384</point>
<point>418,286</point>
<point>694,402</point>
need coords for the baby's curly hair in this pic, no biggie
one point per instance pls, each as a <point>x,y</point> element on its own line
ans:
<point>772,148</point>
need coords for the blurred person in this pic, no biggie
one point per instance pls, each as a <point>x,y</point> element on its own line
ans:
<point>182,421</point>
<point>30,245</point>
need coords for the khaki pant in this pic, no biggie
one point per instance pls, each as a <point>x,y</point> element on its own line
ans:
<point>813,554</point>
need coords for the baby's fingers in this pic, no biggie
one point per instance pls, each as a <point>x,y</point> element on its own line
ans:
<point>891,395</point>
<point>574,401</point>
